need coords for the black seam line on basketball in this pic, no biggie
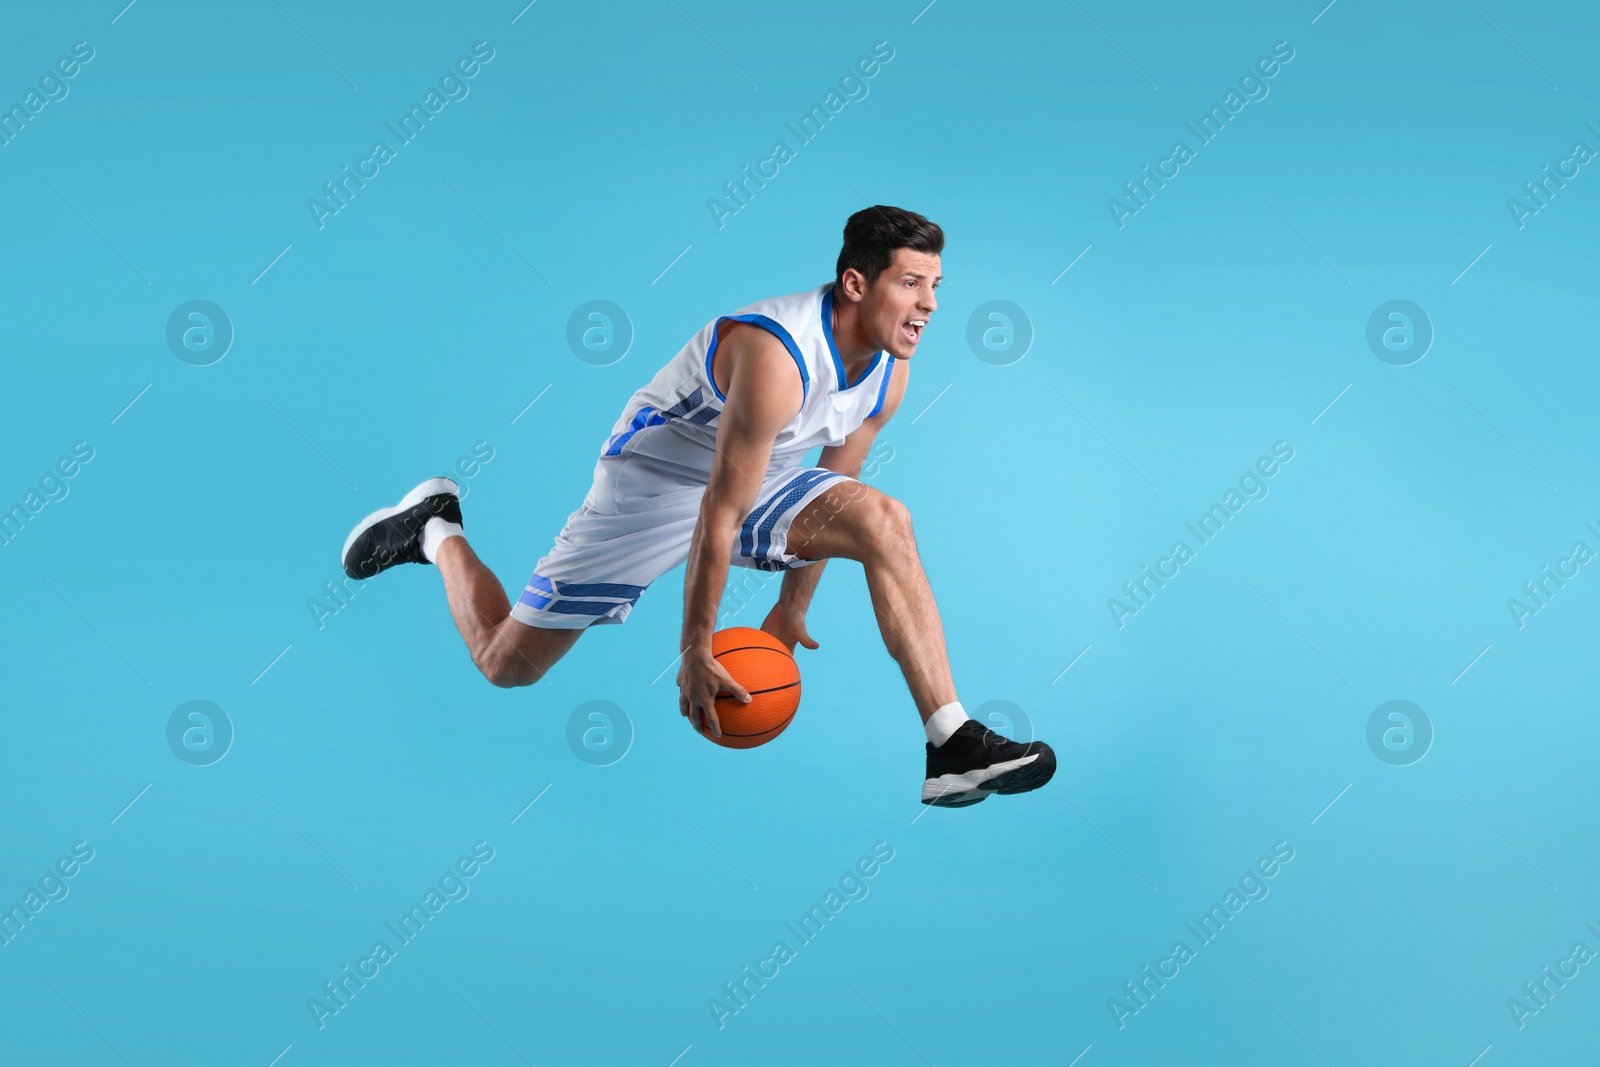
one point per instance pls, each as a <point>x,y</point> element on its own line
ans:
<point>745,648</point>
<point>758,692</point>
<point>763,733</point>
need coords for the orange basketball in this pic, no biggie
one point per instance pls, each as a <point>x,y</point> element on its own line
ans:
<point>759,662</point>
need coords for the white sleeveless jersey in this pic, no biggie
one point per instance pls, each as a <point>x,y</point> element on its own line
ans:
<point>674,417</point>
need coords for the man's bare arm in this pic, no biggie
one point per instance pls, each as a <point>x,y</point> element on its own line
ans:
<point>787,619</point>
<point>763,396</point>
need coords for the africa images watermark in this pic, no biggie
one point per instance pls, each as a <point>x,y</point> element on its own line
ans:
<point>1252,486</point>
<point>853,86</point>
<point>1537,995</point>
<point>1253,86</point>
<point>1252,888</point>
<point>1538,593</point>
<point>1536,195</point>
<point>52,889</point>
<point>52,89</point>
<point>337,994</point>
<point>852,888</point>
<point>53,486</point>
<point>453,84</point>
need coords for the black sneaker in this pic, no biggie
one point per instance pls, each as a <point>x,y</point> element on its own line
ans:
<point>392,536</point>
<point>976,762</point>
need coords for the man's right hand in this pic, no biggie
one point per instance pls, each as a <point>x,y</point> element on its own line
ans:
<point>700,679</point>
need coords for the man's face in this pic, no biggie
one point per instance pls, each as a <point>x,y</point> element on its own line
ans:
<point>896,308</point>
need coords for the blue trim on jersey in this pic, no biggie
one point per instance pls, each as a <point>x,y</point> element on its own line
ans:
<point>773,327</point>
<point>645,416</point>
<point>833,349</point>
<point>649,416</point>
<point>883,389</point>
<point>793,492</point>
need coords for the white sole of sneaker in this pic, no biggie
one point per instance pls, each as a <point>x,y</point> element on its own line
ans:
<point>947,787</point>
<point>431,487</point>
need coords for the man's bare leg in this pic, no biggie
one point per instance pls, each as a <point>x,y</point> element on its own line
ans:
<point>857,522</point>
<point>967,762</point>
<point>508,652</point>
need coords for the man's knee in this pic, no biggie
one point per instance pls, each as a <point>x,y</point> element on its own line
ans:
<point>888,526</point>
<point>508,666</point>
<point>507,671</point>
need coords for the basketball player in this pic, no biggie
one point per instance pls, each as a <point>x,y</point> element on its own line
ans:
<point>704,465</point>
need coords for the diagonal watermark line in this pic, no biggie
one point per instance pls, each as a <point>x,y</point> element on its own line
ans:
<point>1080,1055</point>
<point>1513,44</point>
<point>1469,666</point>
<point>1298,230</point>
<point>531,803</point>
<point>1292,1026</point>
<point>924,11</point>
<point>130,804</point>
<point>1504,438</point>
<point>304,838</point>
<point>930,404</point>
<point>130,403</point>
<point>686,1048</point>
<point>667,668</point>
<point>1469,266</point>
<point>98,230</point>
<point>713,44</point>
<point>1069,266</point>
<point>1507,840</point>
<point>1103,436</point>
<point>1324,11</point>
<point>280,1055</point>
<point>669,266</point>
<point>1330,804</point>
<point>702,833</point>
<point>530,403</point>
<point>1113,44</point>
<point>124,11</point>
<point>313,44</point>
<point>890,1021</point>
<point>88,1020</point>
<point>269,266</point>
<point>523,12</point>
<point>1069,666</point>
<point>97,630</point>
<point>499,231</point>
<point>1297,630</point>
<point>1480,1055</point>
<point>1108,840</point>
<point>1330,404</point>
<point>303,436</point>
<point>486,1019</point>
<point>271,665</point>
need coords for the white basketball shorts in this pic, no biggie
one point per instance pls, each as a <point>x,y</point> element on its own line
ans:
<point>636,524</point>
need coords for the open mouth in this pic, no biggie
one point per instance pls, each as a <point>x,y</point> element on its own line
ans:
<point>911,330</point>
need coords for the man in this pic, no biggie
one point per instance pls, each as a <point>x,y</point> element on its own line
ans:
<point>704,466</point>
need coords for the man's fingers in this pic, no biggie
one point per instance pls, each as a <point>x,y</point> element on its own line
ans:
<point>711,720</point>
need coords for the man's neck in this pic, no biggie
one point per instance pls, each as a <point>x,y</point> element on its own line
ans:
<point>855,351</point>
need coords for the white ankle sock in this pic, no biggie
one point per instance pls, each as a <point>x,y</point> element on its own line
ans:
<point>434,533</point>
<point>944,722</point>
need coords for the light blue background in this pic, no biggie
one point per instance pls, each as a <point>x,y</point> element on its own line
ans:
<point>379,349</point>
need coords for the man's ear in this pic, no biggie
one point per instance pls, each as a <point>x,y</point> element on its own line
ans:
<point>853,285</point>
